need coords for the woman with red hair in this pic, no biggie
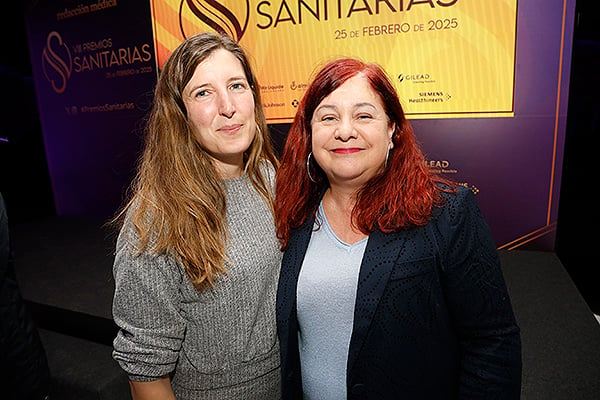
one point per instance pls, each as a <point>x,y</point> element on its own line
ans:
<point>390,286</point>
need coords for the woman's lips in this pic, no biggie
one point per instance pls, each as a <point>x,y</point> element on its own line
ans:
<point>349,150</point>
<point>230,129</point>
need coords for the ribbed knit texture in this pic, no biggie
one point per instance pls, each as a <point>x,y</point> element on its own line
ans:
<point>221,342</point>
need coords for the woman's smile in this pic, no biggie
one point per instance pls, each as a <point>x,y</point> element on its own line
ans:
<point>349,150</point>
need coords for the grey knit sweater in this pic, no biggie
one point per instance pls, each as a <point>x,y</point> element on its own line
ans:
<point>219,343</point>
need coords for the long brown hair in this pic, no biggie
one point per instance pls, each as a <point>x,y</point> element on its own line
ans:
<point>402,195</point>
<point>178,203</point>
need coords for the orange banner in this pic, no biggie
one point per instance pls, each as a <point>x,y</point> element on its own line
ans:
<point>447,58</point>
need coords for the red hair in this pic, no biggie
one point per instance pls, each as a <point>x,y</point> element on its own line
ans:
<point>403,195</point>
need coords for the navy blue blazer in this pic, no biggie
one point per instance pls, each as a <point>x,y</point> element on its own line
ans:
<point>432,319</point>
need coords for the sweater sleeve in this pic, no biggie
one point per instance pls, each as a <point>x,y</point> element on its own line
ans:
<point>146,309</point>
<point>480,305</point>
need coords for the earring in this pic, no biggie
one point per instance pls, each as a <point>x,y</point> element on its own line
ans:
<point>308,168</point>
<point>387,155</point>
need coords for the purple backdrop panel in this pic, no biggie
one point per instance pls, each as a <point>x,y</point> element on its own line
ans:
<point>93,65</point>
<point>514,164</point>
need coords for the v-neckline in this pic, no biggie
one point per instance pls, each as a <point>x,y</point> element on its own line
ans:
<point>325,223</point>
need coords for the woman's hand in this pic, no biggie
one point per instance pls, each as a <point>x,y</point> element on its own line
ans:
<point>159,389</point>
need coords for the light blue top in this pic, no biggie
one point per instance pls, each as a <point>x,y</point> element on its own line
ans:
<point>326,295</point>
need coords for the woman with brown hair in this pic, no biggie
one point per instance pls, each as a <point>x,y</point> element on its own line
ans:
<point>197,259</point>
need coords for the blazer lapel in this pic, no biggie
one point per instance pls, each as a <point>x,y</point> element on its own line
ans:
<point>378,261</point>
<point>290,269</point>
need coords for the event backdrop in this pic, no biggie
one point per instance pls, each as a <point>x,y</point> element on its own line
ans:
<point>94,69</point>
<point>449,58</point>
<point>485,84</point>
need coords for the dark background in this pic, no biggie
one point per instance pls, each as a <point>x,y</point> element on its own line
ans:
<point>25,182</point>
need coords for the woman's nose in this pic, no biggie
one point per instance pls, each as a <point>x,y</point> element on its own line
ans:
<point>345,130</point>
<point>226,107</point>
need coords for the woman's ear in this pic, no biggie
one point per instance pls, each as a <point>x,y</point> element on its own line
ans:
<point>391,130</point>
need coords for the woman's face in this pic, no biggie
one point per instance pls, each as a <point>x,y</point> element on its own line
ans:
<point>220,107</point>
<point>351,133</point>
